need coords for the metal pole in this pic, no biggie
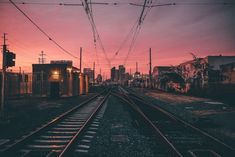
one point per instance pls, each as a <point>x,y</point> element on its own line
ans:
<point>20,81</point>
<point>23,80</point>
<point>93,73</point>
<point>136,66</point>
<point>41,83</point>
<point>150,68</point>
<point>3,75</point>
<point>26,84</point>
<point>80,59</point>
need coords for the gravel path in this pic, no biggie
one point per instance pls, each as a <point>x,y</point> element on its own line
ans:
<point>119,136</point>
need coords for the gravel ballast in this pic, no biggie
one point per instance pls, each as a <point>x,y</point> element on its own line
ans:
<point>118,135</point>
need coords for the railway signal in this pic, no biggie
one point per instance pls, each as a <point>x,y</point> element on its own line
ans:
<point>10,59</point>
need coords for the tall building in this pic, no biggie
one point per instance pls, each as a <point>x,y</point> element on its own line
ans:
<point>113,73</point>
<point>118,75</point>
<point>122,70</point>
<point>116,78</point>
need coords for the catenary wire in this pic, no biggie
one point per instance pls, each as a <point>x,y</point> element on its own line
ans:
<point>42,31</point>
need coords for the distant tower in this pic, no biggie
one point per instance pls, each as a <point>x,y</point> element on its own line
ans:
<point>41,58</point>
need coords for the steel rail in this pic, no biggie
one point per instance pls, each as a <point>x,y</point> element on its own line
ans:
<point>125,98</point>
<point>23,140</point>
<point>75,137</point>
<point>182,122</point>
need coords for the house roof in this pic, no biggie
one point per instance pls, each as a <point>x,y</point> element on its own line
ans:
<point>162,67</point>
<point>189,62</point>
<point>227,65</point>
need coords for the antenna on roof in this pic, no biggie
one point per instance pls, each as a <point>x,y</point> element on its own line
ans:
<point>41,58</point>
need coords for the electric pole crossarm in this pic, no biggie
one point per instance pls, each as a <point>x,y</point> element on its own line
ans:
<point>156,5</point>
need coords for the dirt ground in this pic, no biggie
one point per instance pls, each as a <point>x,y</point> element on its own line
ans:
<point>197,106</point>
<point>24,115</point>
<point>213,116</point>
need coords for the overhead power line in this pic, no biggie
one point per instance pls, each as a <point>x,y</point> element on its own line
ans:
<point>64,4</point>
<point>124,41</point>
<point>135,30</point>
<point>42,31</point>
<point>124,3</point>
<point>88,9</point>
<point>141,18</point>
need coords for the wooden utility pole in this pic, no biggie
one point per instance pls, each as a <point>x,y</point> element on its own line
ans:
<point>3,74</point>
<point>136,67</point>
<point>42,83</point>
<point>93,72</point>
<point>150,67</point>
<point>80,59</point>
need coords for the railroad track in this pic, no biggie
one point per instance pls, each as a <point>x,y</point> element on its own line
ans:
<point>182,138</point>
<point>58,136</point>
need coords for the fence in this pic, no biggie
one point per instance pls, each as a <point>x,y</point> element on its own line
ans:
<point>17,84</point>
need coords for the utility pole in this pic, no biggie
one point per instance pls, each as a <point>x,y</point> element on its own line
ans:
<point>80,59</point>
<point>20,78</point>
<point>3,75</point>
<point>150,67</point>
<point>42,83</point>
<point>136,67</point>
<point>93,72</point>
<point>24,84</point>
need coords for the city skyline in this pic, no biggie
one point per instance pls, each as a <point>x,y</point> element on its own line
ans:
<point>173,32</point>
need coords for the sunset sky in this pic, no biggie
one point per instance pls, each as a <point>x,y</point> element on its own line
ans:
<point>173,32</point>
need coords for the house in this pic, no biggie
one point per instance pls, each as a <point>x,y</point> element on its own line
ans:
<point>159,70</point>
<point>59,78</point>
<point>165,78</point>
<point>158,74</point>
<point>202,71</point>
<point>228,73</point>
<point>197,74</point>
